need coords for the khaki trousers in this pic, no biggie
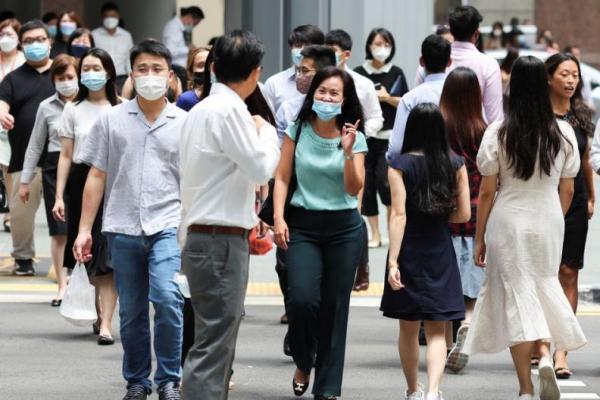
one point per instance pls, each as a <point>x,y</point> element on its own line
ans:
<point>22,216</point>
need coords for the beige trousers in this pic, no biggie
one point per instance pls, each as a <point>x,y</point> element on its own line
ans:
<point>22,216</point>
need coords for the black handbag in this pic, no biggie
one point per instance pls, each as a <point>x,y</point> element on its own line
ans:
<point>267,211</point>
<point>3,195</point>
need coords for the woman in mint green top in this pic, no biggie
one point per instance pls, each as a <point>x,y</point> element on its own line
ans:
<point>321,229</point>
<point>320,170</point>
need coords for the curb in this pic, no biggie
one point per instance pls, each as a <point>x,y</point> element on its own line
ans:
<point>589,293</point>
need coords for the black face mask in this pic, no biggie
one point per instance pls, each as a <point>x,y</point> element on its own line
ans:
<point>78,50</point>
<point>199,78</point>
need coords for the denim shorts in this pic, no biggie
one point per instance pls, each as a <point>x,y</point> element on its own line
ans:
<point>472,276</point>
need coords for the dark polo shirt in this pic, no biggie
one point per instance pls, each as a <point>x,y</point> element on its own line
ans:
<point>24,89</point>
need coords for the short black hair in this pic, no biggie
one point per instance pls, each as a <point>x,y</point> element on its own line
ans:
<point>305,35</point>
<point>323,56</point>
<point>436,53</point>
<point>442,29</point>
<point>49,16</point>
<point>109,6</point>
<point>150,46</point>
<point>387,36</point>
<point>31,25</point>
<point>195,11</point>
<point>464,22</point>
<point>339,37</point>
<point>236,55</point>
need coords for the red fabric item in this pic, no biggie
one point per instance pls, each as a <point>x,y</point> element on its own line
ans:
<point>259,246</point>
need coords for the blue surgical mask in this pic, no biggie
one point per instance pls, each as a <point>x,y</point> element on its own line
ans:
<point>66,28</point>
<point>338,58</point>
<point>93,80</point>
<point>326,111</point>
<point>297,55</point>
<point>78,50</point>
<point>213,77</point>
<point>188,27</point>
<point>36,51</point>
<point>52,31</point>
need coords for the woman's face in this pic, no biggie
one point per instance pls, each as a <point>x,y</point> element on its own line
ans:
<point>331,90</point>
<point>91,64</point>
<point>565,79</point>
<point>69,75</point>
<point>9,33</point>
<point>66,18</point>
<point>83,40</point>
<point>200,61</point>
<point>379,41</point>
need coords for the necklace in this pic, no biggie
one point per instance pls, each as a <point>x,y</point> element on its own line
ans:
<point>568,117</point>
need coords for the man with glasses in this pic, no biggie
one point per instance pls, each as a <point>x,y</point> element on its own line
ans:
<point>21,92</point>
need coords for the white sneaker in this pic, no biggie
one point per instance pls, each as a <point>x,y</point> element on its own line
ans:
<point>457,360</point>
<point>549,389</point>
<point>525,397</point>
<point>434,396</point>
<point>418,395</point>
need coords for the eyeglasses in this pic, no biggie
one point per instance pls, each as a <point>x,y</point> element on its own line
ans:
<point>303,71</point>
<point>39,39</point>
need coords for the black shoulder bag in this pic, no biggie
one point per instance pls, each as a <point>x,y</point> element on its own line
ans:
<point>267,211</point>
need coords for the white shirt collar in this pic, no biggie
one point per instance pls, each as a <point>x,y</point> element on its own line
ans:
<point>218,87</point>
<point>368,66</point>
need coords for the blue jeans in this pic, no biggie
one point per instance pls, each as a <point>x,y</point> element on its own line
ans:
<point>144,268</point>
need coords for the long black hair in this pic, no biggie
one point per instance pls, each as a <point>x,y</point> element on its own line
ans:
<point>530,132</point>
<point>581,112</point>
<point>111,74</point>
<point>351,108</point>
<point>426,132</point>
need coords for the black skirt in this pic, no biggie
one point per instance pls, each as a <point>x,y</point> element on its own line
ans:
<point>100,263</point>
<point>55,228</point>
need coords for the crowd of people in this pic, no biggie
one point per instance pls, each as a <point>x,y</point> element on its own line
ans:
<point>149,174</point>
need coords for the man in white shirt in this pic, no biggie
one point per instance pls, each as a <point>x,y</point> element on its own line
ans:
<point>435,59</point>
<point>175,32</point>
<point>341,42</point>
<point>314,59</point>
<point>282,86</point>
<point>225,153</point>
<point>595,151</point>
<point>115,40</point>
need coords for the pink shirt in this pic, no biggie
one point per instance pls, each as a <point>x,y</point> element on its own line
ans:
<point>487,69</point>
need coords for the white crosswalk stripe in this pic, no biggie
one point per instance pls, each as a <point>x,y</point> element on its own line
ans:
<point>579,396</point>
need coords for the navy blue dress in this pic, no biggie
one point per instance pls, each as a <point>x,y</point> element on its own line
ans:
<point>427,262</point>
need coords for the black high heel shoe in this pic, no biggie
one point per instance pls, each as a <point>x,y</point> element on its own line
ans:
<point>300,388</point>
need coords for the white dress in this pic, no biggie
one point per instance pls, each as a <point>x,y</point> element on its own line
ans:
<point>521,299</point>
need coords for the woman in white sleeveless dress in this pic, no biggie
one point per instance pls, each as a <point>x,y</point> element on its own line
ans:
<point>520,228</point>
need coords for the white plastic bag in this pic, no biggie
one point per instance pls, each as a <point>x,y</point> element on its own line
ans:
<point>79,302</point>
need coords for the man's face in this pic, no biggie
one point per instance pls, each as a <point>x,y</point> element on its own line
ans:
<point>35,35</point>
<point>150,64</point>
<point>305,73</point>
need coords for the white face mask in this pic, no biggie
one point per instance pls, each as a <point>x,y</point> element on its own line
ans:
<point>151,87</point>
<point>67,88</point>
<point>381,53</point>
<point>110,22</point>
<point>8,43</point>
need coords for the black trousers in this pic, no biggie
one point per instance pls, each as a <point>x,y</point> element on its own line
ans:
<point>376,180</point>
<point>321,260</point>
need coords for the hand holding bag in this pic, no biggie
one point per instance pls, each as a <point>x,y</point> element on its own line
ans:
<point>79,302</point>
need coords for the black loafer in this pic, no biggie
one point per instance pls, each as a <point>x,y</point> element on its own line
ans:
<point>105,340</point>
<point>287,350</point>
<point>300,388</point>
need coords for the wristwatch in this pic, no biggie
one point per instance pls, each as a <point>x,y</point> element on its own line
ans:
<point>349,157</point>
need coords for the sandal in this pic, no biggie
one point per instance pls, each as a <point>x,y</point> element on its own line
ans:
<point>6,225</point>
<point>562,373</point>
<point>96,327</point>
<point>56,302</point>
<point>535,361</point>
